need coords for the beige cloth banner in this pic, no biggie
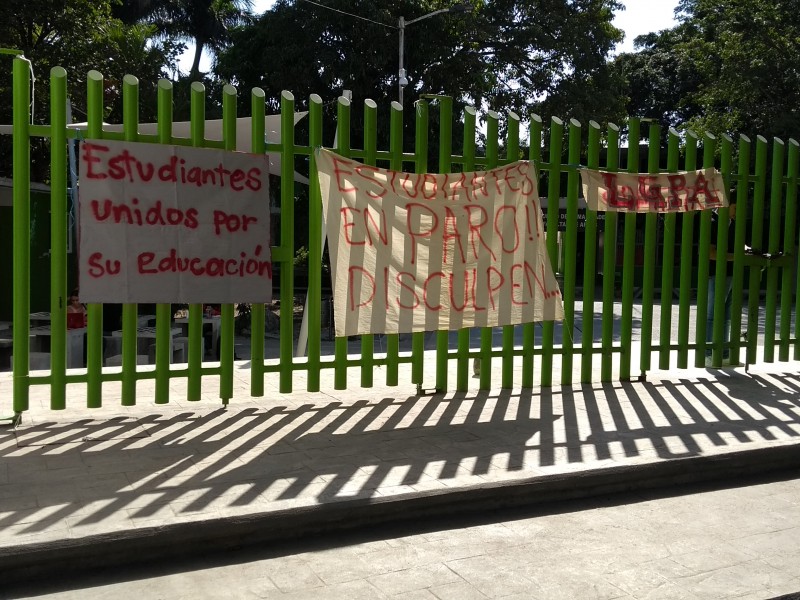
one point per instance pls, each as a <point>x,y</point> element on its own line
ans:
<point>162,223</point>
<point>667,192</point>
<point>435,252</point>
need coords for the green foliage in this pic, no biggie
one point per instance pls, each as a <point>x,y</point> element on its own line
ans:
<point>78,35</point>
<point>507,53</point>
<point>729,67</point>
<point>205,22</point>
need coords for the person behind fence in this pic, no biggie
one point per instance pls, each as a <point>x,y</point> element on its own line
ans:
<point>76,312</point>
<point>728,284</point>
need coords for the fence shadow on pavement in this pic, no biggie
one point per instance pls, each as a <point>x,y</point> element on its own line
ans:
<point>85,476</point>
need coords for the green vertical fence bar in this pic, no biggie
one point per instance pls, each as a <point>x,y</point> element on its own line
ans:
<point>609,264</point>
<point>130,324</point>
<point>462,365</point>
<point>286,344</point>
<point>553,199</point>
<point>512,155</point>
<point>757,240</point>
<point>196,342</point>
<point>649,263</point>
<point>668,261</point>
<point>740,232</point>
<point>58,238</point>
<point>703,253</point>
<point>773,245</point>
<point>94,312</point>
<point>722,259</point>
<point>589,264</point>
<point>492,157</point>
<point>22,235</point>
<point>529,329</point>
<point>163,311</point>
<point>445,166</point>
<point>257,310</point>
<point>343,148</point>
<point>227,318</point>
<point>570,256</point>
<point>420,166</point>
<point>687,256</point>
<point>789,246</point>
<point>628,259</point>
<point>396,164</point>
<point>370,158</point>
<point>314,246</point>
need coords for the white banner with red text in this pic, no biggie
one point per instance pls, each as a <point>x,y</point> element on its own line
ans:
<point>173,224</point>
<point>663,193</point>
<point>432,252</point>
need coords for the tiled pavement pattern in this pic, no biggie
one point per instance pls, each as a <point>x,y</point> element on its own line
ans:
<point>85,486</point>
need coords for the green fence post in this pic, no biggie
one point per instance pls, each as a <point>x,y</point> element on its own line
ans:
<point>286,255</point>
<point>570,257</point>
<point>529,329</point>
<point>703,252</point>
<point>462,365</point>
<point>94,312</point>
<point>22,234</point>
<point>589,264</point>
<point>628,260</point>
<point>609,264</point>
<point>553,204</point>
<point>668,261</point>
<point>58,238</point>
<point>492,157</point>
<point>343,148</point>
<point>370,158</point>
<point>757,239</point>
<point>512,155</point>
<point>740,231</point>
<point>421,166</point>
<point>130,323</point>
<point>687,258</point>
<point>445,166</point>
<point>396,164</point>
<point>789,248</point>
<point>196,342</point>
<point>315,246</point>
<point>257,310</point>
<point>163,311</point>
<point>649,258</point>
<point>773,245</point>
<point>227,318</point>
<point>722,260</point>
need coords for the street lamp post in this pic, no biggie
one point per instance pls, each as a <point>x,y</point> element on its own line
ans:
<point>402,80</point>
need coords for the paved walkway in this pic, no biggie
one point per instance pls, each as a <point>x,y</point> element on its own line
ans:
<point>86,488</point>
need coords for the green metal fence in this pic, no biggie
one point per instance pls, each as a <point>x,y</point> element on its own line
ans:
<point>591,346</point>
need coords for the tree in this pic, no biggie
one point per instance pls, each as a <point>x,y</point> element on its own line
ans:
<point>728,67</point>
<point>660,78</point>
<point>78,35</point>
<point>205,22</point>
<point>506,53</point>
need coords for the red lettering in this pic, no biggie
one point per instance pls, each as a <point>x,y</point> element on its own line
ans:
<point>351,282</point>
<point>91,159</point>
<point>419,232</point>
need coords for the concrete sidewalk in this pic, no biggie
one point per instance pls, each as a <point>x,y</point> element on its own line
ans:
<point>87,488</point>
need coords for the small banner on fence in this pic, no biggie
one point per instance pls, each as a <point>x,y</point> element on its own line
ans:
<point>161,223</point>
<point>435,252</point>
<point>667,192</point>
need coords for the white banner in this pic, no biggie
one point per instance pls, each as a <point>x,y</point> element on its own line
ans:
<point>435,252</point>
<point>666,192</point>
<point>162,223</point>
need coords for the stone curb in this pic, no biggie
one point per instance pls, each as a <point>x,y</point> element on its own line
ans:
<point>187,539</point>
